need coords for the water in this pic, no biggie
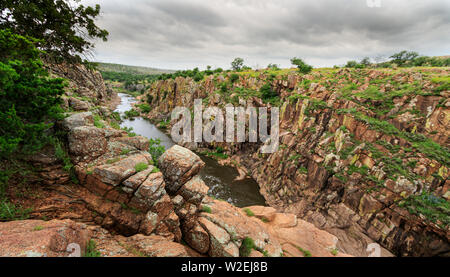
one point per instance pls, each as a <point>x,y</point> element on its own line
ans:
<point>220,179</point>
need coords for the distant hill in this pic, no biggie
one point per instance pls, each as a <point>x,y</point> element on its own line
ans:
<point>139,70</point>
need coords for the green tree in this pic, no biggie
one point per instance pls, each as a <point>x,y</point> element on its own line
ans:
<point>404,57</point>
<point>29,98</point>
<point>365,62</point>
<point>237,64</point>
<point>62,27</point>
<point>301,65</point>
<point>273,66</point>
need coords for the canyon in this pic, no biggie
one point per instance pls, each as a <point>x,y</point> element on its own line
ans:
<point>360,151</point>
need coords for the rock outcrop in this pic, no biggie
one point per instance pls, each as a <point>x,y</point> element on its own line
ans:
<point>364,153</point>
<point>35,238</point>
<point>218,229</point>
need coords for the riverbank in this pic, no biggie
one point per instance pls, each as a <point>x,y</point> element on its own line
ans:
<point>223,180</point>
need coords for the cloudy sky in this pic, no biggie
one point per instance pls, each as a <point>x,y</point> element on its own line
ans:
<point>181,34</point>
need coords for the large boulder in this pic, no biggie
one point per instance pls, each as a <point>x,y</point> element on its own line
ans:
<point>179,165</point>
<point>35,238</point>
<point>87,142</point>
<point>296,236</point>
<point>154,246</point>
<point>114,174</point>
<point>229,226</point>
<point>194,191</point>
<point>78,120</point>
<point>78,105</point>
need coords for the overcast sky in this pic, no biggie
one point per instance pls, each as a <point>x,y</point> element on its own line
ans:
<point>181,34</point>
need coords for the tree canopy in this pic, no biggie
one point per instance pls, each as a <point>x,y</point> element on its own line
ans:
<point>28,97</point>
<point>63,28</point>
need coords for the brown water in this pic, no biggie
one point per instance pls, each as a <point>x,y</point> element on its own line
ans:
<point>219,179</point>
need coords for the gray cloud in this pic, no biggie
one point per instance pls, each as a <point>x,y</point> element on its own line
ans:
<point>181,34</point>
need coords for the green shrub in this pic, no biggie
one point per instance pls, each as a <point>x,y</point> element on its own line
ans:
<point>301,65</point>
<point>248,244</point>
<point>234,77</point>
<point>249,212</point>
<point>206,209</point>
<point>141,167</point>
<point>98,122</point>
<point>9,211</point>
<point>91,251</point>
<point>132,114</point>
<point>29,98</point>
<point>156,150</point>
<point>306,253</point>
<point>145,108</point>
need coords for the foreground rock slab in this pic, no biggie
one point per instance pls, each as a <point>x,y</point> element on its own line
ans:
<point>35,238</point>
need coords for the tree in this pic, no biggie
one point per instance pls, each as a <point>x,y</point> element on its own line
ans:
<point>237,64</point>
<point>301,65</point>
<point>403,57</point>
<point>273,66</point>
<point>365,62</point>
<point>61,27</point>
<point>29,98</point>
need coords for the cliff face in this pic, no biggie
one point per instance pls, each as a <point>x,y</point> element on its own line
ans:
<point>106,190</point>
<point>364,153</point>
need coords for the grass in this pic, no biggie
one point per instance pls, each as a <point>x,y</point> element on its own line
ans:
<point>132,114</point>
<point>125,152</point>
<point>249,212</point>
<point>62,155</point>
<point>10,212</point>
<point>98,122</point>
<point>145,108</point>
<point>306,253</point>
<point>248,244</point>
<point>113,161</point>
<point>141,167</point>
<point>433,208</point>
<point>206,209</point>
<point>155,170</point>
<point>334,252</point>
<point>38,228</point>
<point>91,250</point>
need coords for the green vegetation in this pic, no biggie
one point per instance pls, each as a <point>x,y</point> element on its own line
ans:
<point>131,70</point>
<point>402,59</point>
<point>113,161</point>
<point>334,252</point>
<point>164,124</point>
<point>38,228</point>
<point>156,150</point>
<point>301,65</point>
<point>206,209</point>
<point>62,155</point>
<point>306,253</point>
<point>63,30</point>
<point>141,167</point>
<point>433,208</point>
<point>98,122</point>
<point>237,64</point>
<point>145,108</point>
<point>91,250</point>
<point>249,212</point>
<point>9,211</point>
<point>131,114</point>
<point>248,244</point>
<point>218,153</point>
<point>29,99</point>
